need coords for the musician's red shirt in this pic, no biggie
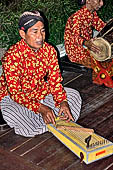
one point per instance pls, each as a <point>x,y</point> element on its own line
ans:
<point>79,28</point>
<point>25,72</point>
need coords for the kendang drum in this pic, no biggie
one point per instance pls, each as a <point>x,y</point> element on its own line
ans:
<point>104,41</point>
<point>102,63</point>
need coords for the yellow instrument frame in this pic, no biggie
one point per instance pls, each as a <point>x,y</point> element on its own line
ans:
<point>78,146</point>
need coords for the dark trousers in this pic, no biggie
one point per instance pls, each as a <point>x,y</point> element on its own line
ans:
<point>2,121</point>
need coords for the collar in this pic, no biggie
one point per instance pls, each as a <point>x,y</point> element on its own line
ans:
<point>87,10</point>
<point>25,46</point>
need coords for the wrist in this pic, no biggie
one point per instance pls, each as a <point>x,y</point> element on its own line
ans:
<point>43,108</point>
<point>64,102</point>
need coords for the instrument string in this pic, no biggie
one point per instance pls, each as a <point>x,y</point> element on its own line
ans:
<point>79,137</point>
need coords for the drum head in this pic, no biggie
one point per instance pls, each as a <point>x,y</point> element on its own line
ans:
<point>105,47</point>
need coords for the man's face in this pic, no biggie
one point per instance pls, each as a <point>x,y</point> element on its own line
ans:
<point>35,36</point>
<point>96,4</point>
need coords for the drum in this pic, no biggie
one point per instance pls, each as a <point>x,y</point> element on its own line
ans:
<point>104,40</point>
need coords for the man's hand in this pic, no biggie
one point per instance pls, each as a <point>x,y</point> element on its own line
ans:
<point>91,46</point>
<point>65,113</point>
<point>47,114</point>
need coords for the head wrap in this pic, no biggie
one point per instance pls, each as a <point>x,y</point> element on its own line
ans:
<point>81,2</point>
<point>28,19</point>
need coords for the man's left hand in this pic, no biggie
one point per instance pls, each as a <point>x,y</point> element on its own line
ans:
<point>65,113</point>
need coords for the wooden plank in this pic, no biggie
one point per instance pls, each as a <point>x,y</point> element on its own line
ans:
<point>13,142</point>
<point>101,120</point>
<point>93,96</point>
<point>70,77</point>
<point>4,130</point>
<point>109,167</point>
<point>59,160</point>
<point>10,140</point>
<point>67,76</point>
<point>98,165</point>
<point>31,143</point>
<point>42,151</point>
<point>96,100</point>
<point>81,82</point>
<point>13,162</point>
<point>106,128</point>
<point>97,116</point>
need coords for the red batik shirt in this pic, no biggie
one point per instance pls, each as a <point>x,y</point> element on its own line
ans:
<point>25,72</point>
<point>78,29</point>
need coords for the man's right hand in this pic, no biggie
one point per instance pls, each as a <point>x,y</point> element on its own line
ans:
<point>91,46</point>
<point>47,114</point>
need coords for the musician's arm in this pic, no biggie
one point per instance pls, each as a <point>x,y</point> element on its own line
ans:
<point>98,24</point>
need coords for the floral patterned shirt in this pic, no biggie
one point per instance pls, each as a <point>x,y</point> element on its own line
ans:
<point>25,71</point>
<point>79,27</point>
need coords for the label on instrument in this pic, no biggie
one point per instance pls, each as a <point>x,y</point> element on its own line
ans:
<point>99,153</point>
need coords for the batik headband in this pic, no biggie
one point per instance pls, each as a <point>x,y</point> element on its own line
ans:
<point>28,19</point>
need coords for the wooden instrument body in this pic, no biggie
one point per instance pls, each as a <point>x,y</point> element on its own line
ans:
<point>98,148</point>
<point>105,42</point>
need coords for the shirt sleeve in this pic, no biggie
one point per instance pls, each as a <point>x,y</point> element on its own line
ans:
<point>98,24</point>
<point>55,79</point>
<point>12,72</point>
<point>3,87</point>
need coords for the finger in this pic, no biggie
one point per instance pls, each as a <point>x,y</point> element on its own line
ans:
<point>60,112</point>
<point>46,121</point>
<point>96,48</point>
<point>70,117</point>
<point>95,38</point>
<point>53,118</point>
<point>64,117</point>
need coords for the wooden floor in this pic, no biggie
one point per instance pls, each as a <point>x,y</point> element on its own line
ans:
<point>45,152</point>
